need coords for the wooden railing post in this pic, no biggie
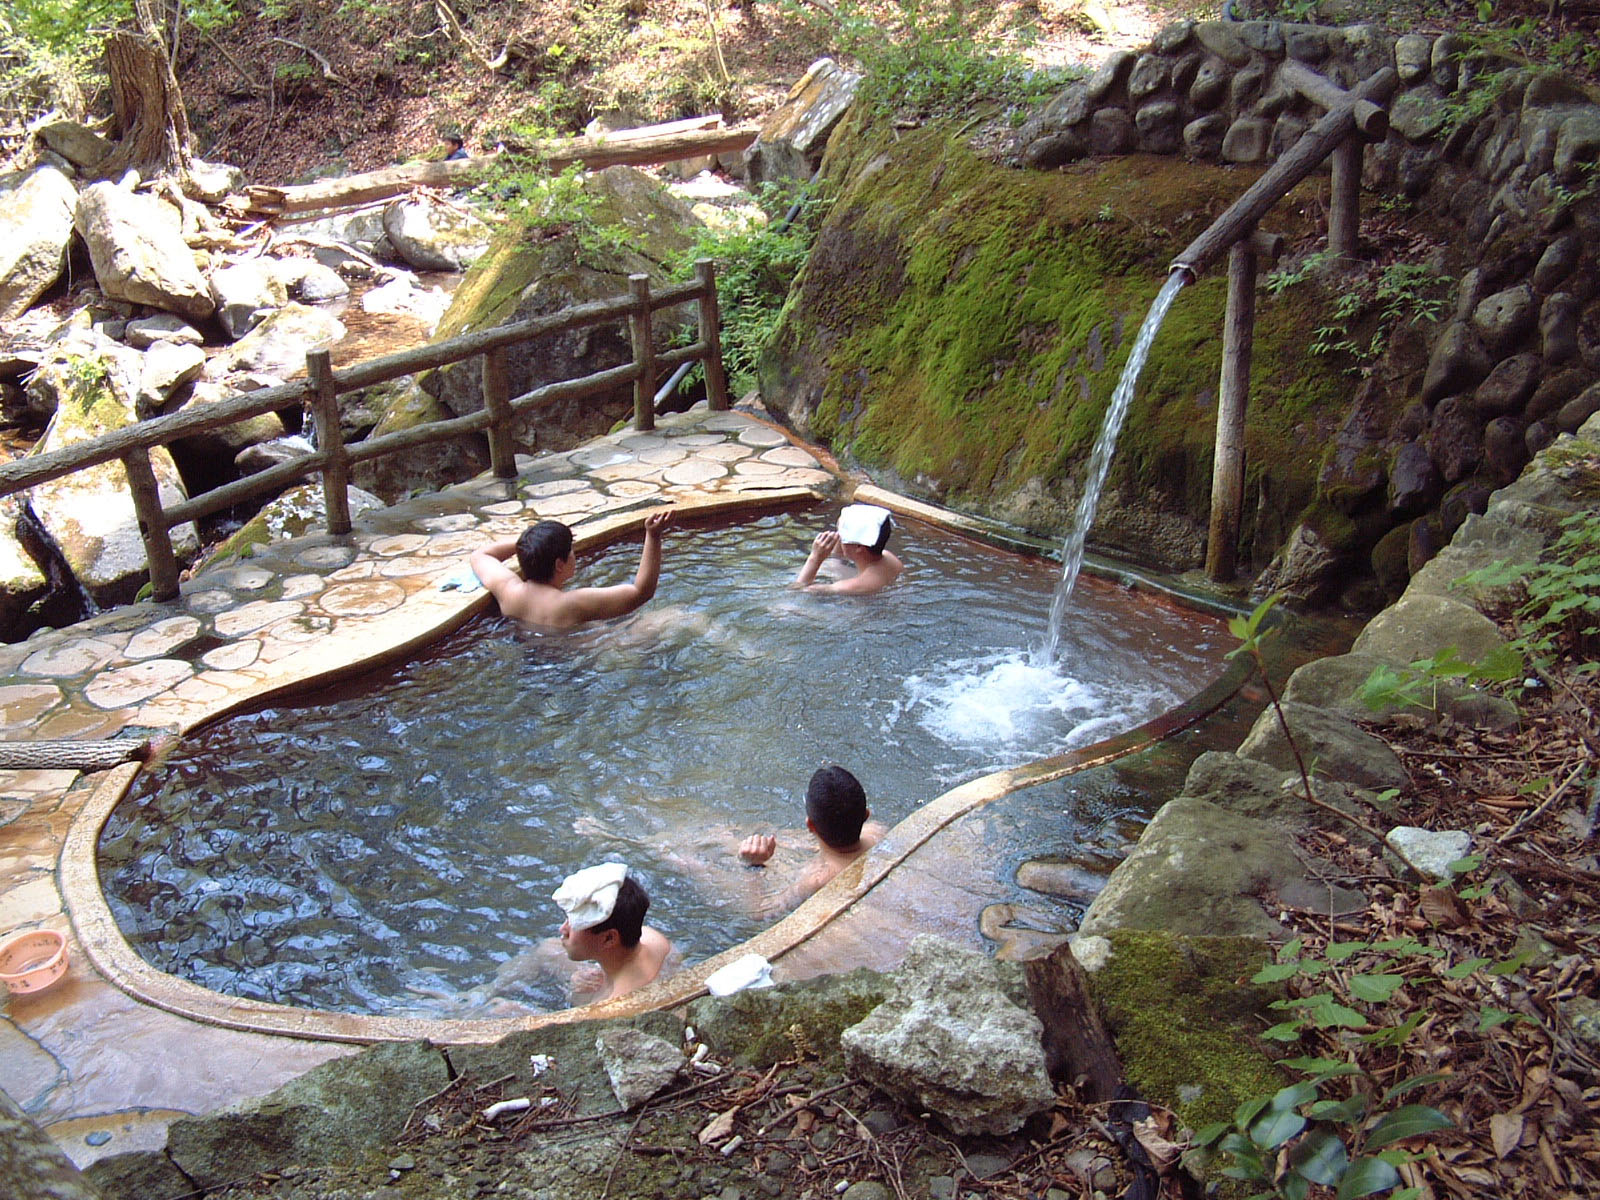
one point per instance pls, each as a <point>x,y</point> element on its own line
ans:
<point>1227,468</point>
<point>497,399</point>
<point>705,277</point>
<point>158,553</point>
<point>330,442</point>
<point>644,353</point>
<point>1344,206</point>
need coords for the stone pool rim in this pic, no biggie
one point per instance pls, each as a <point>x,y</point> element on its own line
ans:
<point>105,946</point>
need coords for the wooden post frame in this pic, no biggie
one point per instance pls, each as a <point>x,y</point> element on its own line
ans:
<point>158,553</point>
<point>497,402</point>
<point>705,277</point>
<point>1344,205</point>
<point>330,442</point>
<point>1227,467</point>
<point>644,353</point>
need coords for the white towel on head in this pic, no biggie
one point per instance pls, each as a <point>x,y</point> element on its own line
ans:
<point>589,895</point>
<point>861,524</point>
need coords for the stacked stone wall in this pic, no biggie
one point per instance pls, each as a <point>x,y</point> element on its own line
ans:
<point>1494,156</point>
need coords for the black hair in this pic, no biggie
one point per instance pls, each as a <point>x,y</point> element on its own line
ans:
<point>541,547</point>
<point>627,914</point>
<point>455,137</point>
<point>877,546</point>
<point>836,806</point>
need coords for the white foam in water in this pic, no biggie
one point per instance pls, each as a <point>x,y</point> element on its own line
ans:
<point>1002,699</point>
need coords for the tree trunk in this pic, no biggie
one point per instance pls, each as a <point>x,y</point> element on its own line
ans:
<point>151,120</point>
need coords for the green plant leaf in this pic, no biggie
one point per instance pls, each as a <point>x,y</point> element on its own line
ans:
<point>1320,1157</point>
<point>1294,1187</point>
<point>1284,1031</point>
<point>1339,1112</point>
<point>1462,969</point>
<point>1276,972</point>
<point>1292,1096</point>
<point>1248,1110</point>
<point>1492,1018</point>
<point>1407,1121</point>
<point>1375,989</point>
<point>1276,1127</point>
<point>1511,965</point>
<point>1365,1176</point>
<point>1396,1035</point>
<point>1339,951</point>
<point>1322,1068</point>
<point>1412,1084</point>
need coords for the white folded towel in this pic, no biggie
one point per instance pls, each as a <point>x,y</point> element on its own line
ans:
<point>862,524</point>
<point>589,895</point>
<point>751,971</point>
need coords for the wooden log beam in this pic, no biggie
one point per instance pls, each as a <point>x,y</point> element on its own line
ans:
<point>1371,121</point>
<point>595,153</point>
<point>1304,157</point>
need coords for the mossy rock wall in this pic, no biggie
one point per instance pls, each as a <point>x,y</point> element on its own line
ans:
<point>962,327</point>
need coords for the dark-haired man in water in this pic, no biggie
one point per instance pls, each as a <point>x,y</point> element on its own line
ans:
<point>538,597</point>
<point>836,815</point>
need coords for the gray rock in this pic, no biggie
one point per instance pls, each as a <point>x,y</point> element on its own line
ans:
<point>360,231</point>
<point>1264,37</point>
<point>1508,386</point>
<point>1157,123</point>
<point>167,367</point>
<point>1242,786</point>
<point>1413,55</point>
<point>1202,137</point>
<point>1558,329</point>
<point>36,210</point>
<point>1340,749</point>
<point>163,327</point>
<point>1431,851</point>
<point>1246,85</point>
<point>279,344</point>
<point>1570,416</point>
<point>1171,38</point>
<point>1559,260</point>
<point>262,455</point>
<point>206,458</point>
<point>1454,438</point>
<point>1368,48</point>
<point>950,1041</point>
<point>318,284</point>
<point>210,183</point>
<point>1448,51</point>
<point>1247,140</point>
<point>138,1175</point>
<point>1414,482</point>
<point>792,137</point>
<point>1334,683</point>
<point>137,248</point>
<point>435,237</point>
<point>1221,38</point>
<point>1110,75</point>
<point>75,142</point>
<point>1505,447</point>
<point>1504,319</point>
<point>1421,625</point>
<point>1111,132</point>
<point>1577,145</point>
<point>1306,43</point>
<point>1210,86</point>
<point>639,1065</point>
<point>1417,114</point>
<point>21,580</point>
<point>1149,75</point>
<point>245,293</point>
<point>1457,364</point>
<point>753,1027</point>
<point>1201,871</point>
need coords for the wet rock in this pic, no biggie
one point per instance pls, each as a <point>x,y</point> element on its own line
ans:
<point>1454,439</point>
<point>1508,386</point>
<point>137,248</point>
<point>948,1039</point>
<point>36,210</point>
<point>279,344</point>
<point>1414,482</point>
<point>245,293</point>
<point>1423,539</point>
<point>1341,749</point>
<point>163,327</point>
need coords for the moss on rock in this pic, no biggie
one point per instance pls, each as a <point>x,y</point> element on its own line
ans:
<point>1185,1019</point>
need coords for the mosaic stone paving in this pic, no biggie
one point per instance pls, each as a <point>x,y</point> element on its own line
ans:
<point>104,1072</point>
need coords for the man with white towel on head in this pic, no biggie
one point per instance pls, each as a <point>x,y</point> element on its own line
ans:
<point>861,539</point>
<point>605,910</point>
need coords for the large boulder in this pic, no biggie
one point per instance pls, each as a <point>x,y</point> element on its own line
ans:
<point>137,248</point>
<point>279,344</point>
<point>949,1040</point>
<point>21,580</point>
<point>436,465</point>
<point>531,275</point>
<point>245,293</point>
<point>90,513</point>
<point>435,237</point>
<point>792,138</point>
<point>206,459</point>
<point>36,210</point>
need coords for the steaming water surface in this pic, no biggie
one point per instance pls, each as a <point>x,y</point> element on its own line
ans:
<point>391,846</point>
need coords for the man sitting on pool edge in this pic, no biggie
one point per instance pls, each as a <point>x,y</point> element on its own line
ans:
<point>862,535</point>
<point>547,558</point>
<point>836,815</point>
<point>605,910</point>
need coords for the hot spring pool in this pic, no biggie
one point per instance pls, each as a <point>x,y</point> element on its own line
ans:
<point>390,845</point>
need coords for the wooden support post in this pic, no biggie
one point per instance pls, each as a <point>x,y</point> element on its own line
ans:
<point>1227,468</point>
<point>152,524</point>
<point>644,353</point>
<point>1344,208</point>
<point>705,277</point>
<point>497,401</point>
<point>1077,1048</point>
<point>330,442</point>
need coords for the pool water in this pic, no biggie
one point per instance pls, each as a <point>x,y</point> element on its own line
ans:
<point>390,845</point>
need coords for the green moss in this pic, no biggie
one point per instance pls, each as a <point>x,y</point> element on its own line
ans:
<point>1185,1018</point>
<point>970,323</point>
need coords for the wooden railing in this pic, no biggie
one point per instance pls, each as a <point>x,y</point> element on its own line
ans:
<point>323,386</point>
<point>1353,118</point>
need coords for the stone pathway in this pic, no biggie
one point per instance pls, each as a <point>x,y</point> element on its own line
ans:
<point>104,1072</point>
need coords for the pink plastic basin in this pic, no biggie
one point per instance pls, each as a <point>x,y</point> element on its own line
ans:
<point>32,961</point>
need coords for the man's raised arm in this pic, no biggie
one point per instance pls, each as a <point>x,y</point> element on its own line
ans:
<point>598,603</point>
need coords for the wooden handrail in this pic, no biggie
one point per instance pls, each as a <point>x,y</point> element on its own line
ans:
<point>323,386</point>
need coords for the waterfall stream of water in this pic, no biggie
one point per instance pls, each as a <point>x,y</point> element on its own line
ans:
<point>1100,459</point>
